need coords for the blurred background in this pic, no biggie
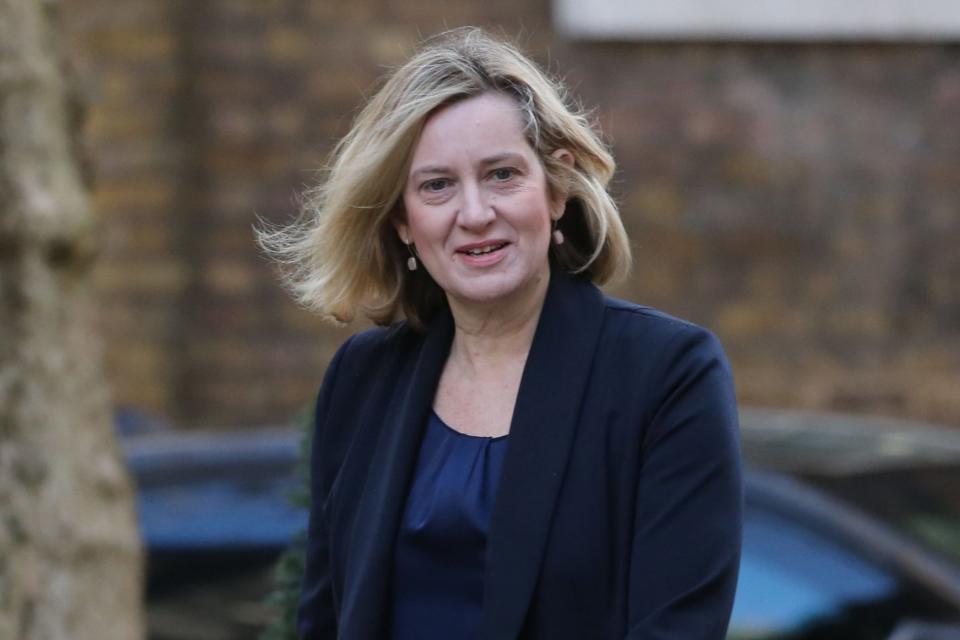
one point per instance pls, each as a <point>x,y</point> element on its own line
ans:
<point>789,175</point>
<point>795,193</point>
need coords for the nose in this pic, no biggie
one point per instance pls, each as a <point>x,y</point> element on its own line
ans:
<point>475,209</point>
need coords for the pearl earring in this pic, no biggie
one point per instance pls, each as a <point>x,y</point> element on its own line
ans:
<point>557,236</point>
<point>412,260</point>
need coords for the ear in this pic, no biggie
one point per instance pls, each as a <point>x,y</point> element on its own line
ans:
<point>398,218</point>
<point>563,156</point>
<point>560,199</point>
<point>402,229</point>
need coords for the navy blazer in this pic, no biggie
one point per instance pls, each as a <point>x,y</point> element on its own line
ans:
<point>619,509</point>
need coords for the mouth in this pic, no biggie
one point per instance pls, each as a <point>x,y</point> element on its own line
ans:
<point>482,250</point>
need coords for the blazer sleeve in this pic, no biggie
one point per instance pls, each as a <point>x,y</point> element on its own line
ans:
<point>687,534</point>
<point>316,616</point>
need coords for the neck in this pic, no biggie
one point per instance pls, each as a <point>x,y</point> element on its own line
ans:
<point>489,334</point>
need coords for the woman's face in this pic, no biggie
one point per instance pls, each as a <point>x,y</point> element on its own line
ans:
<point>477,204</point>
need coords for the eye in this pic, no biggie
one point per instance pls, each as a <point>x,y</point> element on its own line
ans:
<point>502,173</point>
<point>435,185</point>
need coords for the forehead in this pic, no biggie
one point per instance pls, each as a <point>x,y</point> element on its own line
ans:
<point>470,129</point>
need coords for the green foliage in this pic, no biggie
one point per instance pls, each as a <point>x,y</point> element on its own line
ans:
<point>289,569</point>
<point>286,593</point>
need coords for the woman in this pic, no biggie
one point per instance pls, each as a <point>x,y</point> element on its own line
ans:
<point>519,456</point>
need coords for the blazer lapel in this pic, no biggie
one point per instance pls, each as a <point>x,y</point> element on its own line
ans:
<point>366,598</point>
<point>543,427</point>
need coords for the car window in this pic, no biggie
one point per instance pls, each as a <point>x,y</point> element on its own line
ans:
<point>922,502</point>
<point>799,583</point>
<point>791,577</point>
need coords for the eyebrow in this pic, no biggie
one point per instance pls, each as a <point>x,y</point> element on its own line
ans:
<point>494,159</point>
<point>501,157</point>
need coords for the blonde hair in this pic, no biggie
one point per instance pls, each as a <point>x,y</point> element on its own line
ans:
<point>343,255</point>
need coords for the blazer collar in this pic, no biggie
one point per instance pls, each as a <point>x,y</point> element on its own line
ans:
<point>365,607</point>
<point>541,432</point>
<point>544,424</point>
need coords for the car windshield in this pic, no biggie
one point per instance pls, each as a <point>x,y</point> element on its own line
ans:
<point>922,502</point>
<point>794,579</point>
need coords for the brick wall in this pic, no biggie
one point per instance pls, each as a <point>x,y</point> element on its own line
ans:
<point>126,59</point>
<point>799,200</point>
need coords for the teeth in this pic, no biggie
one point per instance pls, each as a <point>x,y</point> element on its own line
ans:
<point>480,252</point>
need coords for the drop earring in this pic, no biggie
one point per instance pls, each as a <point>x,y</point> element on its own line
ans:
<point>557,234</point>
<point>412,260</point>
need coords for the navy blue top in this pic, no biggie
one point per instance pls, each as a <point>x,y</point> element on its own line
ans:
<point>441,546</point>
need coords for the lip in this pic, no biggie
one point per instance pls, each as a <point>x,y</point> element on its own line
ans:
<point>484,259</point>
<point>480,245</point>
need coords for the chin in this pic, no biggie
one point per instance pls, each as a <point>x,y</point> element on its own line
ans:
<point>495,290</point>
<point>482,295</point>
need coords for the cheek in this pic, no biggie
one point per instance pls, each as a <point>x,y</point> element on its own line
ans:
<point>538,221</point>
<point>426,231</point>
<point>413,219</point>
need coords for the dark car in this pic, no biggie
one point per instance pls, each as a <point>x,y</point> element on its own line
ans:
<point>852,528</point>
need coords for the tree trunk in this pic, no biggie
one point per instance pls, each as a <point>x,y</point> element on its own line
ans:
<point>70,562</point>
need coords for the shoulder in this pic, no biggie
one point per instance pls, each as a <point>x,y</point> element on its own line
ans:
<point>376,343</point>
<point>675,367</point>
<point>643,316</point>
<point>370,352</point>
<point>649,354</point>
<point>654,330</point>
<point>362,364</point>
